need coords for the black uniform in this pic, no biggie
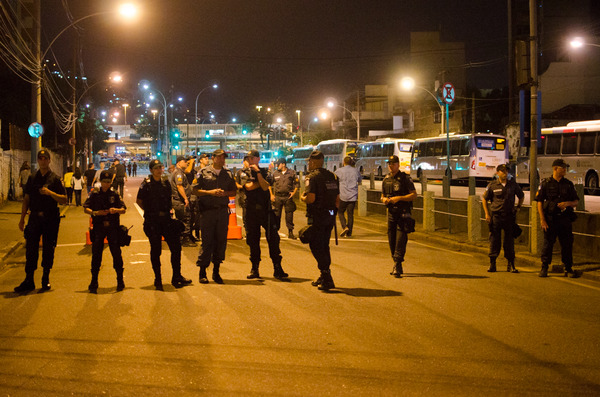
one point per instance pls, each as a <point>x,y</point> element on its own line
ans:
<point>550,193</point>
<point>400,221</point>
<point>120,174</point>
<point>215,215</point>
<point>156,196</point>
<point>182,212</point>
<point>241,178</point>
<point>44,220</point>
<point>259,213</point>
<point>503,214</point>
<point>105,226</point>
<point>321,214</point>
<point>283,184</point>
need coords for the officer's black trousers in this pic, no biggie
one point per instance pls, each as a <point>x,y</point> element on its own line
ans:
<point>47,228</point>
<point>289,205</point>
<point>255,219</point>
<point>397,237</point>
<point>112,236</point>
<point>561,227</point>
<point>347,206</point>
<point>499,223</point>
<point>155,229</point>
<point>184,214</point>
<point>319,244</point>
<point>214,236</point>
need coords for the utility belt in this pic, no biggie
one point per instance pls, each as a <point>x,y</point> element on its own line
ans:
<point>45,214</point>
<point>282,194</point>
<point>156,214</point>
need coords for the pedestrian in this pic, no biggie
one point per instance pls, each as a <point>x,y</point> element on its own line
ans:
<point>284,185</point>
<point>501,215</point>
<point>67,177</point>
<point>24,173</point>
<point>196,213</point>
<point>88,178</point>
<point>181,190</point>
<point>134,168</point>
<point>259,213</point>
<point>241,178</point>
<point>77,183</point>
<point>398,193</point>
<point>129,169</point>
<point>120,176</point>
<point>43,192</point>
<point>105,206</point>
<point>556,198</point>
<point>214,185</point>
<point>322,198</point>
<point>96,181</point>
<point>349,178</point>
<point>154,197</point>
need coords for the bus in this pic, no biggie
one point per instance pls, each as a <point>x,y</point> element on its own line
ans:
<point>578,143</point>
<point>335,150</point>
<point>235,158</point>
<point>372,156</point>
<point>299,162</point>
<point>471,155</point>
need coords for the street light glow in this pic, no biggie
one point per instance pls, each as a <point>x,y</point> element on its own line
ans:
<point>128,11</point>
<point>577,42</point>
<point>407,83</point>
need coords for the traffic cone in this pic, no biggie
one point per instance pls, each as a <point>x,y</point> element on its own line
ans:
<point>234,232</point>
<point>88,240</point>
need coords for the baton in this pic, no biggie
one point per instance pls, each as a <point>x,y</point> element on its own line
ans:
<point>335,228</point>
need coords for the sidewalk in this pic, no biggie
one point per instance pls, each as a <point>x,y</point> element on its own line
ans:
<point>11,238</point>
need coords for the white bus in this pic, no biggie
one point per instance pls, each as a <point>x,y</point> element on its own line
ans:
<point>372,156</point>
<point>235,158</point>
<point>335,150</point>
<point>578,143</point>
<point>475,155</point>
<point>299,162</point>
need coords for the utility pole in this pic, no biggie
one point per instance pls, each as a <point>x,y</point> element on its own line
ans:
<point>36,88</point>
<point>535,237</point>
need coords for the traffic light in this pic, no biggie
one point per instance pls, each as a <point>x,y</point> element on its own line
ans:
<point>175,138</point>
<point>207,135</point>
<point>244,131</point>
<point>158,154</point>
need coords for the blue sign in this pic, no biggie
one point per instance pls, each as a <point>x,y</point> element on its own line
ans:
<point>35,130</point>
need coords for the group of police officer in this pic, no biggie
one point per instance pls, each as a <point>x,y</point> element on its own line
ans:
<point>263,198</point>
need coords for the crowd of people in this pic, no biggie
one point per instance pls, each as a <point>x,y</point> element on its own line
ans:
<point>191,204</point>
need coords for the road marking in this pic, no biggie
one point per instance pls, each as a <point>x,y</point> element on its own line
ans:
<point>139,209</point>
<point>83,243</point>
<point>567,280</point>
<point>441,249</point>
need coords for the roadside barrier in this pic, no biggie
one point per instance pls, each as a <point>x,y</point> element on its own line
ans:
<point>234,231</point>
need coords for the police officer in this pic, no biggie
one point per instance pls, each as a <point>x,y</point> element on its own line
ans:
<point>501,215</point>
<point>154,197</point>
<point>241,178</point>
<point>398,193</point>
<point>284,185</point>
<point>214,185</point>
<point>105,206</point>
<point>260,214</point>
<point>556,199</point>
<point>42,192</point>
<point>322,198</point>
<point>181,190</point>
<point>196,214</point>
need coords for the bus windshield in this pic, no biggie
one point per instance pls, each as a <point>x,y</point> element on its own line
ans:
<point>490,143</point>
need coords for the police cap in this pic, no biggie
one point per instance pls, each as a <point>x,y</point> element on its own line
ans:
<point>44,153</point>
<point>560,163</point>
<point>105,175</point>
<point>393,159</point>
<point>253,153</point>
<point>203,155</point>
<point>316,155</point>
<point>219,152</point>
<point>154,163</point>
<point>502,167</point>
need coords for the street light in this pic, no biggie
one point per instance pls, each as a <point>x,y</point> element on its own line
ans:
<point>578,42</point>
<point>214,86</point>
<point>146,87</point>
<point>332,104</point>
<point>125,106</point>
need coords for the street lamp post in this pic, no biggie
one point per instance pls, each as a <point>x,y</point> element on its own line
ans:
<point>125,106</point>
<point>331,104</point>
<point>299,128</point>
<point>214,86</point>
<point>165,125</point>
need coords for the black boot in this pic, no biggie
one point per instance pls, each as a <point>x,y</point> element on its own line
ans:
<point>93,287</point>
<point>511,267</point>
<point>544,271</point>
<point>291,235</point>
<point>202,277</point>
<point>157,279</point>
<point>397,270</point>
<point>177,280</point>
<point>317,282</point>
<point>27,285</point>
<point>253,272</point>
<point>120,282</point>
<point>278,272</point>
<point>46,280</point>
<point>492,267</point>
<point>327,282</point>
<point>569,272</point>
<point>215,275</point>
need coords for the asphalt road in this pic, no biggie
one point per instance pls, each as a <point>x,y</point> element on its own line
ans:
<point>446,328</point>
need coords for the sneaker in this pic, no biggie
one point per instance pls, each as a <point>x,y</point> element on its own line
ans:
<point>345,232</point>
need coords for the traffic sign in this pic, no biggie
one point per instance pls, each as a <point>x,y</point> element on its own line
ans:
<point>35,130</point>
<point>448,93</point>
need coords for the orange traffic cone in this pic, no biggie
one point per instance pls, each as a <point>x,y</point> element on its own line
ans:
<point>234,232</point>
<point>88,240</point>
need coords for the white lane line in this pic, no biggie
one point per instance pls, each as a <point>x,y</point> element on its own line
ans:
<point>139,209</point>
<point>440,249</point>
<point>567,280</point>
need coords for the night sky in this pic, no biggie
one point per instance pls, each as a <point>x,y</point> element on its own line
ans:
<point>298,51</point>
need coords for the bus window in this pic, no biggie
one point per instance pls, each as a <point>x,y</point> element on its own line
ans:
<point>465,147</point>
<point>455,147</point>
<point>404,147</point>
<point>389,149</point>
<point>598,145</point>
<point>569,144</point>
<point>444,149</point>
<point>586,142</point>
<point>553,144</point>
<point>437,151</point>
<point>429,149</point>
<point>417,149</point>
<point>376,150</point>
